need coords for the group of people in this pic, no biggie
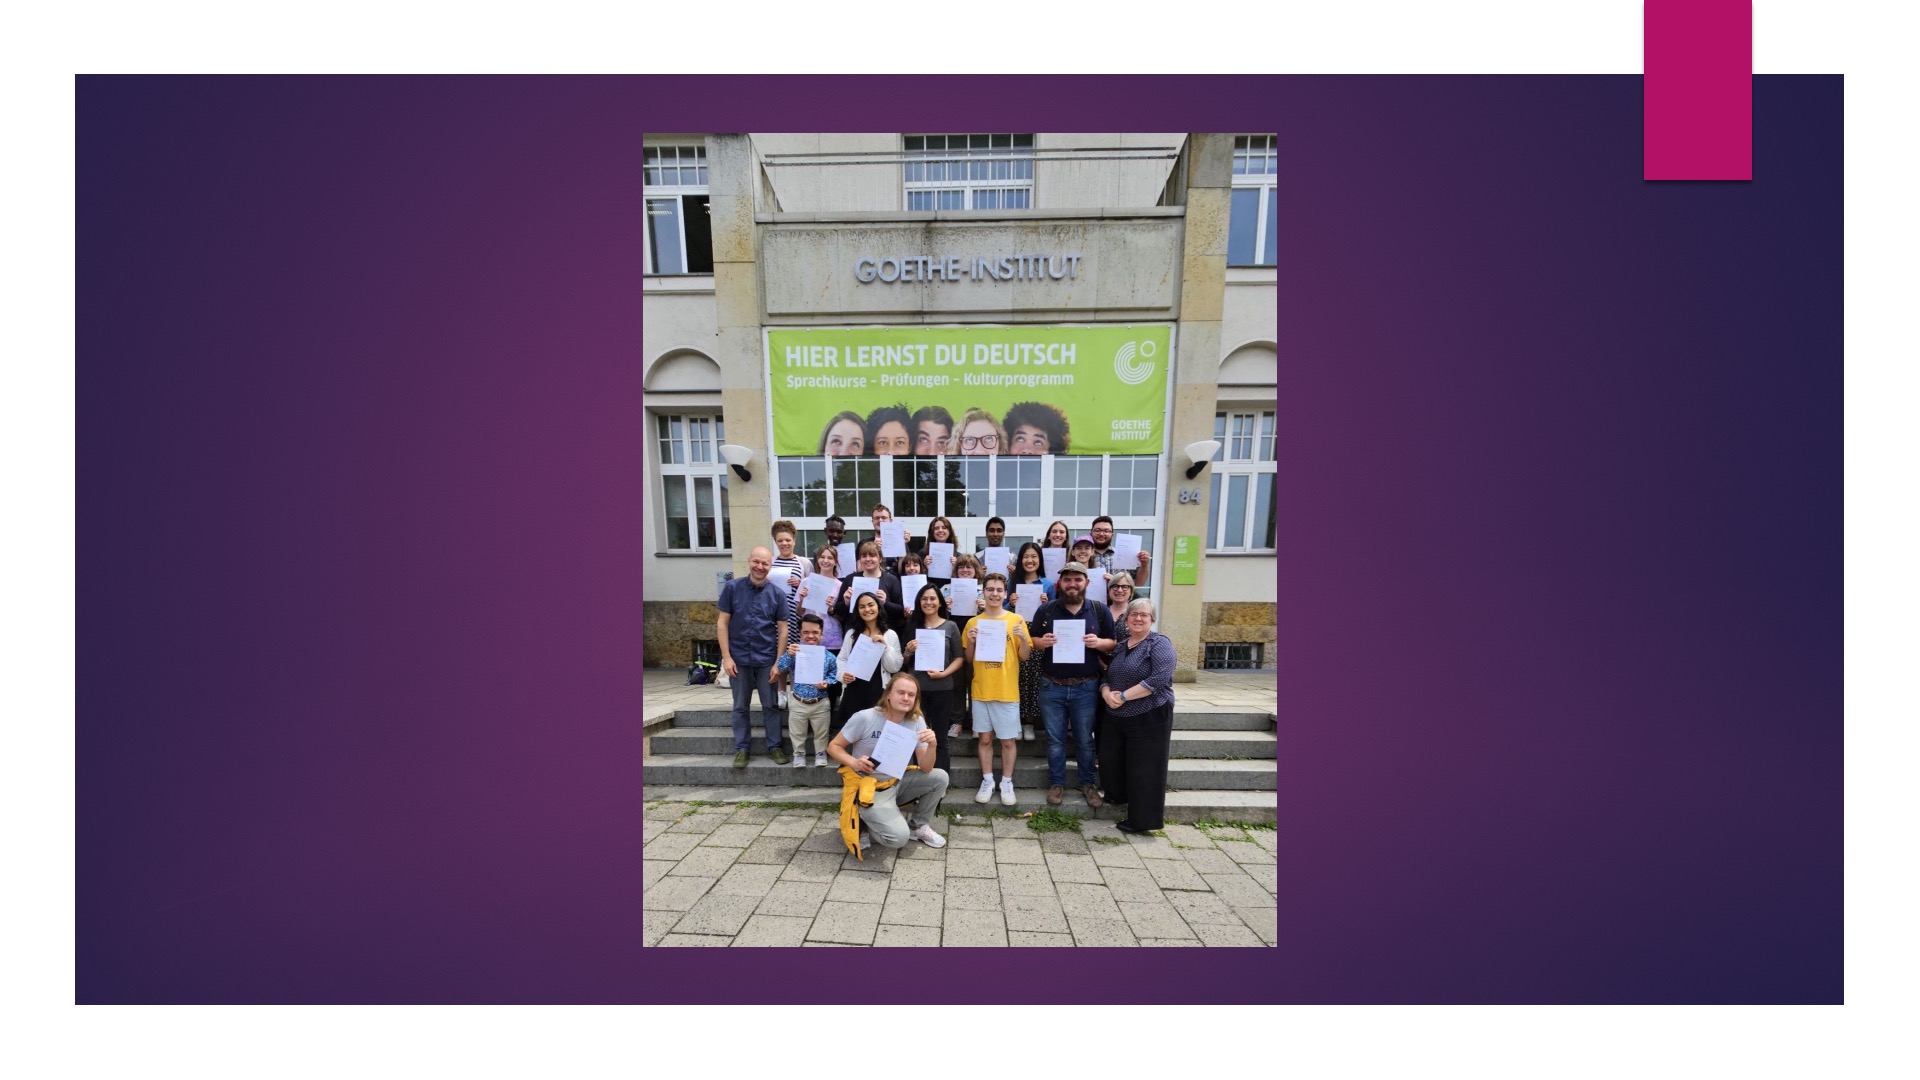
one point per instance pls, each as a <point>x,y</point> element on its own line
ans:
<point>998,673</point>
<point>1030,428</point>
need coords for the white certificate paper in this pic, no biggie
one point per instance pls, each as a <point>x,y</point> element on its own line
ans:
<point>847,562</point>
<point>1126,552</point>
<point>939,560</point>
<point>1069,644</point>
<point>893,539</point>
<point>820,593</point>
<point>930,652</point>
<point>1096,584</point>
<point>910,586</point>
<point>893,750</point>
<point>1051,560</point>
<point>963,596</point>
<point>990,640</point>
<point>1027,600</point>
<point>810,667</point>
<point>996,560</point>
<point>863,585</point>
<point>865,656</point>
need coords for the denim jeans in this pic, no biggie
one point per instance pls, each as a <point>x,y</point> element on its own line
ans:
<point>755,676</point>
<point>1058,704</point>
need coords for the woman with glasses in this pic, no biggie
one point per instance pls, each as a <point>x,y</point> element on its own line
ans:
<point>1138,693</point>
<point>1119,595</point>
<point>979,435</point>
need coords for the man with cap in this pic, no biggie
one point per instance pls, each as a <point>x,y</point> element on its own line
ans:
<point>1069,691</point>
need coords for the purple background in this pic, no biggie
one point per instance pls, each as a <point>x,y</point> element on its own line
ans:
<point>359,448</point>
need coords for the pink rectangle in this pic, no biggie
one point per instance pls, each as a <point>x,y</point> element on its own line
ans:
<point>1699,90</point>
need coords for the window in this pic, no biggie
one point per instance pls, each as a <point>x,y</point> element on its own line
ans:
<point>1245,472</point>
<point>969,490</point>
<point>1252,224</point>
<point>679,235</point>
<point>693,482</point>
<point>969,172</point>
<point>1230,656</point>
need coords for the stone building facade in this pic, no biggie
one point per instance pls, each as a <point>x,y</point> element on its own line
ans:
<point>751,237</point>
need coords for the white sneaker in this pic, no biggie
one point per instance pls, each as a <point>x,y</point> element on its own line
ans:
<point>1026,732</point>
<point>799,760</point>
<point>866,842</point>
<point>986,789</point>
<point>927,836</point>
<point>953,731</point>
<point>1006,792</point>
<point>820,761</point>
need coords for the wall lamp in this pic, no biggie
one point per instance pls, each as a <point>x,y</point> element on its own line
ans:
<point>737,456</point>
<point>1199,453</point>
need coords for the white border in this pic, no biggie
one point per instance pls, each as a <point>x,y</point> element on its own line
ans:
<point>51,41</point>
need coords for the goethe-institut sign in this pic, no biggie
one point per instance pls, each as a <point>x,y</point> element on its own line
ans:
<point>1024,266</point>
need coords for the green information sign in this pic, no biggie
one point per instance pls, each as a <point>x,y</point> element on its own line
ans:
<point>1186,560</point>
<point>973,390</point>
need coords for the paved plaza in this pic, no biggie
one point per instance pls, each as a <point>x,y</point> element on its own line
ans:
<point>746,875</point>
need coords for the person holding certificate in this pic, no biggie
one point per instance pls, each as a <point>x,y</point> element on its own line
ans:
<point>868,658</point>
<point>996,643</point>
<point>929,624</point>
<point>881,580</point>
<point>1027,570</point>
<point>1071,633</point>
<point>965,568</point>
<point>873,736</point>
<point>1138,689</point>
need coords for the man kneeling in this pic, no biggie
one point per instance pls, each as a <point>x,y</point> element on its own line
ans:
<point>926,787</point>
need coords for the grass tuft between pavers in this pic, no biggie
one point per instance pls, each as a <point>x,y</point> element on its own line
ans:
<point>1047,819</point>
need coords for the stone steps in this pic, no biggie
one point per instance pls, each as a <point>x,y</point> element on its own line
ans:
<point>1182,720</point>
<point>1222,768</point>
<point>1029,772</point>
<point>1183,807</point>
<point>1247,745</point>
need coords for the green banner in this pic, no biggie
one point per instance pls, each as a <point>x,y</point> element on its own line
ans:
<point>969,390</point>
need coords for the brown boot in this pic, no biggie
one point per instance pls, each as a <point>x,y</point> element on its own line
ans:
<point>1093,796</point>
<point>1053,795</point>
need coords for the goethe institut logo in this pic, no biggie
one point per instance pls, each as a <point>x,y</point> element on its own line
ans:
<point>1133,362</point>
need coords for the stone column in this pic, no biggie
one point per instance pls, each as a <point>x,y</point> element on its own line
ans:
<point>1203,277</point>
<point>732,172</point>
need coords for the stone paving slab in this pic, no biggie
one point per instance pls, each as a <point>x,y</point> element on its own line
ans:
<point>850,924</point>
<point>671,846</point>
<point>758,876</point>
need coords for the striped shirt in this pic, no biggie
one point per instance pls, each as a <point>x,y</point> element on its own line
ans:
<point>1149,663</point>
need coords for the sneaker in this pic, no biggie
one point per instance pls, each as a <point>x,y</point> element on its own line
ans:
<point>953,731</point>
<point>820,761</point>
<point>866,841</point>
<point>740,760</point>
<point>1026,732</point>
<point>780,756</point>
<point>1006,792</point>
<point>927,836</point>
<point>799,761</point>
<point>1053,795</point>
<point>1092,795</point>
<point>986,789</point>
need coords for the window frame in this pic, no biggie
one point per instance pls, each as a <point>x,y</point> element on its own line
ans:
<point>1259,464</point>
<point>677,193</point>
<point>970,189</point>
<point>1256,167</point>
<point>692,475</point>
<point>1148,526</point>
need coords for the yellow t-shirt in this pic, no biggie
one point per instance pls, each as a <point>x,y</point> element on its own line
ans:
<point>1000,681</point>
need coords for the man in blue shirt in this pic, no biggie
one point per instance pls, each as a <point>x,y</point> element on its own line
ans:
<point>751,610</point>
